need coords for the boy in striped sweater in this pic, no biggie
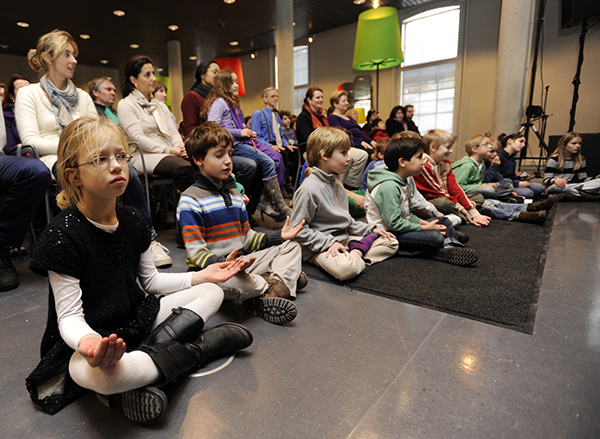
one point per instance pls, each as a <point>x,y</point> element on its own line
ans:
<point>215,226</point>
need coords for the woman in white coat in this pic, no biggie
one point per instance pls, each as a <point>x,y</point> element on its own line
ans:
<point>149,123</point>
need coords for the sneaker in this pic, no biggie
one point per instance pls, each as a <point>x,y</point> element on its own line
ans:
<point>302,281</point>
<point>456,256</point>
<point>272,309</point>
<point>9,278</point>
<point>463,238</point>
<point>142,406</point>
<point>160,253</point>
<point>538,217</point>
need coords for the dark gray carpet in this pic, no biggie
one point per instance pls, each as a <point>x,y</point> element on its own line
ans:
<point>501,288</point>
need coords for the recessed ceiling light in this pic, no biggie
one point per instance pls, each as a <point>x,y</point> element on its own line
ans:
<point>134,46</point>
<point>229,2</point>
<point>359,2</point>
<point>310,39</point>
<point>3,46</point>
<point>22,24</point>
<point>103,61</point>
<point>84,36</point>
<point>173,27</point>
<point>160,69</point>
<point>233,43</point>
<point>193,57</point>
<point>119,13</point>
<point>252,55</point>
<point>293,23</point>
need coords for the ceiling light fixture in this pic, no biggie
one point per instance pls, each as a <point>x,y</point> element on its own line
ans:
<point>293,23</point>
<point>134,46</point>
<point>103,61</point>
<point>173,27</point>
<point>234,43</point>
<point>3,46</point>
<point>359,2</point>
<point>229,2</point>
<point>193,58</point>
<point>311,39</point>
<point>375,4</point>
<point>253,55</point>
<point>119,13</point>
<point>22,24</point>
<point>84,36</point>
<point>159,69</point>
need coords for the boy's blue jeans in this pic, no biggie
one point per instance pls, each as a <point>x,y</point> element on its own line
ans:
<point>426,241</point>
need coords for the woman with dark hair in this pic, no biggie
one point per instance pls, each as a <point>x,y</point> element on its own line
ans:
<point>149,123</point>
<point>192,104</point>
<point>372,115</point>
<point>312,115</point>
<point>14,83</point>
<point>395,123</point>
<point>223,107</point>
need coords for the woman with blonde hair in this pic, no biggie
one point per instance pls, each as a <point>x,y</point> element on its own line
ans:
<point>42,110</point>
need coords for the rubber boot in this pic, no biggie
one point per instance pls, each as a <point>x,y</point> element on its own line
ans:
<point>182,325</point>
<point>273,192</point>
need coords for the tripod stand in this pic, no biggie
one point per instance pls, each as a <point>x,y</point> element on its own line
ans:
<point>525,126</point>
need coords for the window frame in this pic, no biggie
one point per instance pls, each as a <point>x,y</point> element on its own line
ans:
<point>404,14</point>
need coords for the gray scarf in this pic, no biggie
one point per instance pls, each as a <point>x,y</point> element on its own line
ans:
<point>64,101</point>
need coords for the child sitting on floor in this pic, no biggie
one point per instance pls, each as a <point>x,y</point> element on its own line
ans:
<point>391,208</point>
<point>214,224</point>
<point>331,238</point>
<point>493,175</point>
<point>438,183</point>
<point>566,173</point>
<point>115,324</point>
<point>376,161</point>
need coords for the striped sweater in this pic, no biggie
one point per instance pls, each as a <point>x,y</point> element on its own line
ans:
<point>567,173</point>
<point>213,221</point>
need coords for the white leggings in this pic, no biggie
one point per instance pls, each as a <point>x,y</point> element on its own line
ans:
<point>136,369</point>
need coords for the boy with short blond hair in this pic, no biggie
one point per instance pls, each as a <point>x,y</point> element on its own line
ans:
<point>214,224</point>
<point>331,238</point>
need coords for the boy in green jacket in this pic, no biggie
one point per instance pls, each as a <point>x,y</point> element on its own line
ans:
<point>389,208</point>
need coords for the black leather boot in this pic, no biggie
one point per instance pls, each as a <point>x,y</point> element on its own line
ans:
<point>174,359</point>
<point>182,325</point>
<point>9,278</point>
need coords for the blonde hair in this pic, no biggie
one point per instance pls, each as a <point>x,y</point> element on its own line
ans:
<point>474,141</point>
<point>53,44</point>
<point>438,137</point>
<point>83,134</point>
<point>325,140</point>
<point>559,153</point>
<point>335,99</point>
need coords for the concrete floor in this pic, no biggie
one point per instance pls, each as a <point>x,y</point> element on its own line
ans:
<point>354,365</point>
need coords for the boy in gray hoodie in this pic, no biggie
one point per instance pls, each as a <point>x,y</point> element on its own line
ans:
<point>389,207</point>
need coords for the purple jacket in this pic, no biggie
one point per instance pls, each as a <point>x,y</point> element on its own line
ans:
<point>357,135</point>
<point>12,134</point>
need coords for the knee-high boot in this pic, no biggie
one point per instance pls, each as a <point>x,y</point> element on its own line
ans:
<point>182,325</point>
<point>273,192</point>
<point>174,358</point>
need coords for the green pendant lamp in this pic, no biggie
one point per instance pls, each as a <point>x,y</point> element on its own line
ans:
<point>378,43</point>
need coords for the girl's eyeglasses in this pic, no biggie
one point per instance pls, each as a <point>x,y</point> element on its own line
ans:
<point>102,161</point>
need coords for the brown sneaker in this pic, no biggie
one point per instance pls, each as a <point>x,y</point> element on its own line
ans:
<point>276,286</point>
<point>532,217</point>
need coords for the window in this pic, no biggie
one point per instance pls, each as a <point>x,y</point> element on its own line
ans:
<point>301,78</point>
<point>428,74</point>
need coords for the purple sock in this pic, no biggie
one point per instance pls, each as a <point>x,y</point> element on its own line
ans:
<point>364,244</point>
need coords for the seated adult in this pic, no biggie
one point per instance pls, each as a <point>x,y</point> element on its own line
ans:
<point>24,182</point>
<point>42,110</point>
<point>267,125</point>
<point>149,123</point>
<point>14,83</point>
<point>409,113</point>
<point>104,94</point>
<point>192,105</point>
<point>337,117</point>
<point>395,123</point>
<point>372,115</point>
